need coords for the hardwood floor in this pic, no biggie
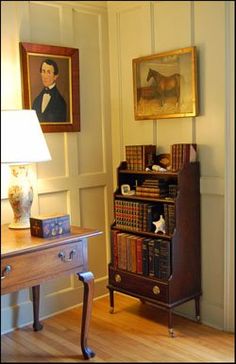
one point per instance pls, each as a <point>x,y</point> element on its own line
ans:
<point>135,332</point>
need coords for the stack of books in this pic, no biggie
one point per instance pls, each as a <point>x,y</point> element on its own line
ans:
<point>182,154</point>
<point>152,188</point>
<point>139,157</point>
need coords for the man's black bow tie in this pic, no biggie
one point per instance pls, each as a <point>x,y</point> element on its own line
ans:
<point>47,91</point>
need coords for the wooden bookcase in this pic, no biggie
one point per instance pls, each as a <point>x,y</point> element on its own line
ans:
<point>184,280</point>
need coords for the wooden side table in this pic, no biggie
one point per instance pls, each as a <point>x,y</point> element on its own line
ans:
<point>28,261</point>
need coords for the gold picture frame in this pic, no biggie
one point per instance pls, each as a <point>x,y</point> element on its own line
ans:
<point>165,85</point>
<point>60,111</point>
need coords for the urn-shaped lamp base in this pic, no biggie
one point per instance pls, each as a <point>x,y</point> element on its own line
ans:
<point>20,196</point>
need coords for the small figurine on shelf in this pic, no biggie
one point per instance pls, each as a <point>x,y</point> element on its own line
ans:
<point>160,225</point>
<point>157,168</point>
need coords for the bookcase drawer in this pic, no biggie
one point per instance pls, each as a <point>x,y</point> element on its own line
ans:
<point>143,286</point>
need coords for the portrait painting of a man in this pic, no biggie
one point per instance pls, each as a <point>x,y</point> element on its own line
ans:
<point>50,77</point>
<point>50,105</point>
<point>49,86</point>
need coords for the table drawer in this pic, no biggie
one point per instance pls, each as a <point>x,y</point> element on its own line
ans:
<point>140,285</point>
<point>30,268</point>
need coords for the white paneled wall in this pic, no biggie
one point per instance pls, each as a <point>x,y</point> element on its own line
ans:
<point>141,28</point>
<point>78,180</point>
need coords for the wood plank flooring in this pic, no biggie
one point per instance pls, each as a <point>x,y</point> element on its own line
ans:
<point>135,332</point>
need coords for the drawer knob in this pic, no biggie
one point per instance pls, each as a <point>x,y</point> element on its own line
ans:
<point>117,278</point>
<point>6,271</point>
<point>156,290</point>
<point>62,255</point>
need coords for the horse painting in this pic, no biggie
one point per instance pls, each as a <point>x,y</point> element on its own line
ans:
<point>165,85</point>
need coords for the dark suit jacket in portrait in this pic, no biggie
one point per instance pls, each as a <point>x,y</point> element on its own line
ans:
<point>55,110</point>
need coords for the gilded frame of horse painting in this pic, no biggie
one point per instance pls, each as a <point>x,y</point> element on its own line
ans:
<point>165,85</point>
<point>50,79</point>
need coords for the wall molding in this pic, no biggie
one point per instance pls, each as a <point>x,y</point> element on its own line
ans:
<point>126,6</point>
<point>229,287</point>
<point>93,6</point>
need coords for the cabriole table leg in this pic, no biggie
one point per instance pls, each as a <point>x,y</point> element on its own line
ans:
<point>88,280</point>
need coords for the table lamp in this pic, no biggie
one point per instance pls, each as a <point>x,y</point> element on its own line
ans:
<point>22,143</point>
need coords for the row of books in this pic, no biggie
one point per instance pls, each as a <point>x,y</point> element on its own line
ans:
<point>138,216</point>
<point>141,255</point>
<point>183,153</point>
<point>139,157</point>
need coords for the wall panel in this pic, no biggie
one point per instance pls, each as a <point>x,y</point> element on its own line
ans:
<point>57,285</point>
<point>130,37</point>
<point>93,213</point>
<point>45,23</point>
<point>135,19</point>
<point>172,30</point>
<point>57,148</point>
<point>87,37</point>
<point>211,44</point>
<point>172,25</point>
<point>55,202</point>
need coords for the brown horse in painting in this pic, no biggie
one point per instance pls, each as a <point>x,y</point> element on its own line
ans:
<point>166,85</point>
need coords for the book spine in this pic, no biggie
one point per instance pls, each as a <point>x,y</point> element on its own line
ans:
<point>166,218</point>
<point>149,155</point>
<point>122,257</point>
<point>165,263</point>
<point>171,218</point>
<point>133,251</point>
<point>157,258</point>
<point>139,265</point>
<point>151,258</point>
<point>145,256</point>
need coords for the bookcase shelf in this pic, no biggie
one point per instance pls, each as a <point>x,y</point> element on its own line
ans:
<point>162,268</point>
<point>144,233</point>
<point>139,198</point>
<point>150,173</point>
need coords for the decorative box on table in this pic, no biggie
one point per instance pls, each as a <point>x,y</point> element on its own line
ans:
<point>46,226</point>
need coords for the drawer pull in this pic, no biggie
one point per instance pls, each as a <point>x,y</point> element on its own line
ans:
<point>117,278</point>
<point>156,290</point>
<point>6,271</point>
<point>62,255</point>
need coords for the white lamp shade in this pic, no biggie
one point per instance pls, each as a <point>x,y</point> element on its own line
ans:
<point>22,139</point>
